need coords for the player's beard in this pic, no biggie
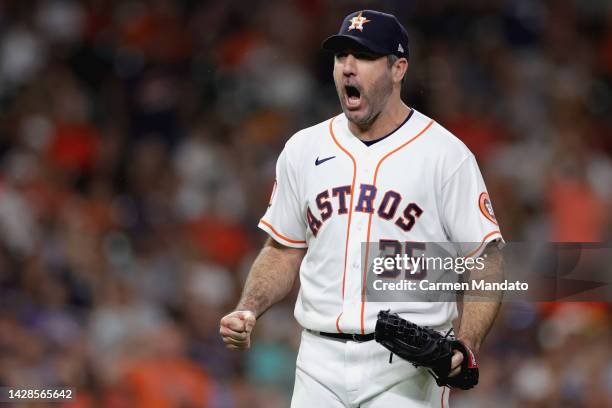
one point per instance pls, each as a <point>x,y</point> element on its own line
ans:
<point>373,101</point>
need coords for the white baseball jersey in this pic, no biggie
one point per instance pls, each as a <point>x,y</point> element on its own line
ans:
<point>333,193</point>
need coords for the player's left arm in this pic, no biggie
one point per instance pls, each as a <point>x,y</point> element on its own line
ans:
<point>480,309</point>
<point>469,220</point>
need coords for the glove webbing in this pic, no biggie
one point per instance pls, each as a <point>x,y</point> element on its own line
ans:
<point>414,337</point>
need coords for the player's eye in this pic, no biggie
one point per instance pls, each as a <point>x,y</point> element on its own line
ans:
<point>341,55</point>
<point>365,56</point>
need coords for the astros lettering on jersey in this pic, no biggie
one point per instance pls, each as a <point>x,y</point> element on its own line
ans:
<point>333,193</point>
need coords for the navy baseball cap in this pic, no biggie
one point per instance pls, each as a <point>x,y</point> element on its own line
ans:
<point>380,33</point>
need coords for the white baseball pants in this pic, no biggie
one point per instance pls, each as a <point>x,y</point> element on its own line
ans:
<point>335,373</point>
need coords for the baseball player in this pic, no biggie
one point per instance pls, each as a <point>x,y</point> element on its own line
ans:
<point>379,172</point>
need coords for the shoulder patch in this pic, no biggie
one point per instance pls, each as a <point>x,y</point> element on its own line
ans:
<point>486,208</point>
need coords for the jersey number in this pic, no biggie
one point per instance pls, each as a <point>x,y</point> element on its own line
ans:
<point>392,248</point>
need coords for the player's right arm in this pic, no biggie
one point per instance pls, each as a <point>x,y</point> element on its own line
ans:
<point>269,281</point>
<point>275,268</point>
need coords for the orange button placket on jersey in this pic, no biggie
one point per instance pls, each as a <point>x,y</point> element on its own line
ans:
<point>368,234</point>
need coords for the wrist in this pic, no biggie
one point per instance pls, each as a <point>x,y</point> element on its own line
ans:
<point>470,341</point>
<point>245,307</point>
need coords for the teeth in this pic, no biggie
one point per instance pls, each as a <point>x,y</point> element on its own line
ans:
<point>353,96</point>
<point>353,100</point>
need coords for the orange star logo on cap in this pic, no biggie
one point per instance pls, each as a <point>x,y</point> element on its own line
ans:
<point>357,22</point>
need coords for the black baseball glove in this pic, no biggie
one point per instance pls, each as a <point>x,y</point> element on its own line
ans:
<point>425,347</point>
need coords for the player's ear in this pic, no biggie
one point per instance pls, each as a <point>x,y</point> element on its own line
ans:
<point>399,68</point>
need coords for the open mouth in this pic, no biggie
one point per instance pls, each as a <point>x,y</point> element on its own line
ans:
<point>353,96</point>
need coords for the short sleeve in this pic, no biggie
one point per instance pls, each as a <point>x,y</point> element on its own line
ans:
<point>467,212</point>
<point>284,220</point>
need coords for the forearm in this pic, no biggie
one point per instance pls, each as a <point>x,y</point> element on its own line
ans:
<point>481,307</point>
<point>271,277</point>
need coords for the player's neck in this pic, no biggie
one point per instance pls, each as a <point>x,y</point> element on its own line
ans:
<point>386,122</point>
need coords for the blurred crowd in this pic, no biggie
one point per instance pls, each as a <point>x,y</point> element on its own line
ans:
<point>138,141</point>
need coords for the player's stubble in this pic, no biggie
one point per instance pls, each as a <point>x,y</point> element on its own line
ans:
<point>374,97</point>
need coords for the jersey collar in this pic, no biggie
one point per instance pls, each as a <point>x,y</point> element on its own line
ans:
<point>399,136</point>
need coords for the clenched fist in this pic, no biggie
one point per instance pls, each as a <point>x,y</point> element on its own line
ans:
<point>235,329</point>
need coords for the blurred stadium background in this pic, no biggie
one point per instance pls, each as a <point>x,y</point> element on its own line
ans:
<point>137,148</point>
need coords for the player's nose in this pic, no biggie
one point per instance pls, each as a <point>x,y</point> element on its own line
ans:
<point>350,65</point>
